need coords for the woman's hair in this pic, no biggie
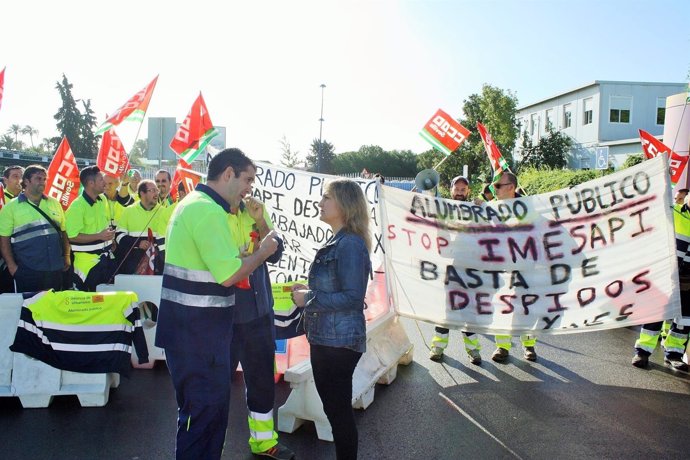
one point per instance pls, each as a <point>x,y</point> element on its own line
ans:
<point>350,199</point>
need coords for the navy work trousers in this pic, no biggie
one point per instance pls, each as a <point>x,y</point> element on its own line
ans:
<point>202,389</point>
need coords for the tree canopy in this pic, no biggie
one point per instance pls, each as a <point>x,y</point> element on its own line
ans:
<point>551,151</point>
<point>326,152</point>
<point>78,127</point>
<point>395,163</point>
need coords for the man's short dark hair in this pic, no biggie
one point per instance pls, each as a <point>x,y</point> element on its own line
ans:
<point>512,178</point>
<point>461,179</point>
<point>167,173</point>
<point>8,170</point>
<point>683,190</point>
<point>88,173</point>
<point>234,158</point>
<point>31,171</point>
<point>144,185</point>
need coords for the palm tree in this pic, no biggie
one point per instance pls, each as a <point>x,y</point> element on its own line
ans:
<point>31,132</point>
<point>6,142</point>
<point>14,129</point>
<point>47,144</point>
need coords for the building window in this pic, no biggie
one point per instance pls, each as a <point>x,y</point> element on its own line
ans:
<point>550,119</point>
<point>660,110</point>
<point>534,124</point>
<point>620,108</point>
<point>588,115</point>
<point>567,116</point>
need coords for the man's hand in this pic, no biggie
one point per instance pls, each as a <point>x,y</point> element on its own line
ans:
<point>12,269</point>
<point>106,235</point>
<point>269,245</point>
<point>255,208</point>
<point>144,244</point>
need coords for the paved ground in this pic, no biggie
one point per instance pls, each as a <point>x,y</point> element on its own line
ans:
<point>582,399</point>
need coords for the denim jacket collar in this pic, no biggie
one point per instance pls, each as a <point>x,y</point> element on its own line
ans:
<point>332,241</point>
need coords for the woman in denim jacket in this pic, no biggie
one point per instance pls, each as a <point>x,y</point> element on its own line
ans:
<point>334,307</point>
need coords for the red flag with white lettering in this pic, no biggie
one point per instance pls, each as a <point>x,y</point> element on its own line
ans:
<point>133,110</point>
<point>653,147</point>
<point>2,84</point>
<point>186,176</point>
<point>444,132</point>
<point>195,132</point>
<point>147,263</point>
<point>112,158</point>
<point>63,175</point>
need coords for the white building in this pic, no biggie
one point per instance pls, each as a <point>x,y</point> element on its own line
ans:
<point>601,114</point>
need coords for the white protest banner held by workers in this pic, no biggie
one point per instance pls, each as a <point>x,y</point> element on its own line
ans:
<point>599,255</point>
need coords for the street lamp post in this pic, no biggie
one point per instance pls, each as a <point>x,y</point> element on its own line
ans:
<point>318,152</point>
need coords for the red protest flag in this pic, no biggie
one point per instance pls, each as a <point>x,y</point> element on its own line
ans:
<point>147,263</point>
<point>195,132</point>
<point>652,147</point>
<point>2,84</point>
<point>63,175</point>
<point>186,176</point>
<point>112,158</point>
<point>2,196</point>
<point>133,110</point>
<point>444,132</point>
<point>498,163</point>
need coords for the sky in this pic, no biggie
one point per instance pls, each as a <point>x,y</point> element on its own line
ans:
<point>387,65</point>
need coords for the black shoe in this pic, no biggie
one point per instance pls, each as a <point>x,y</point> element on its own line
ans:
<point>675,362</point>
<point>530,354</point>
<point>475,357</point>
<point>436,354</point>
<point>640,360</point>
<point>279,452</point>
<point>500,355</point>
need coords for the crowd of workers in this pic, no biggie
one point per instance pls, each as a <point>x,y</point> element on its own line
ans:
<point>219,239</point>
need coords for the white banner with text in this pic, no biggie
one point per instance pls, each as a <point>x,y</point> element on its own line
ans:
<point>598,255</point>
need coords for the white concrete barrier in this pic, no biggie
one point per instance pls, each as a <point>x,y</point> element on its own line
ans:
<point>387,346</point>
<point>147,288</point>
<point>36,383</point>
<point>10,307</point>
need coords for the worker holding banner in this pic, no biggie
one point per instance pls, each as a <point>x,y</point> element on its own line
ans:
<point>459,191</point>
<point>506,188</point>
<point>676,339</point>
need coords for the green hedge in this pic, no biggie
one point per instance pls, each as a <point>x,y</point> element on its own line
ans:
<point>535,181</point>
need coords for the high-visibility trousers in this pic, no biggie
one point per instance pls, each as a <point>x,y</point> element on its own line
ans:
<point>505,341</point>
<point>253,345</point>
<point>440,339</point>
<point>675,341</point>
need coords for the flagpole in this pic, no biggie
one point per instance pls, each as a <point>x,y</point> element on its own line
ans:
<point>441,162</point>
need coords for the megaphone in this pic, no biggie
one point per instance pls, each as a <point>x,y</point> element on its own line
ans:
<point>427,179</point>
